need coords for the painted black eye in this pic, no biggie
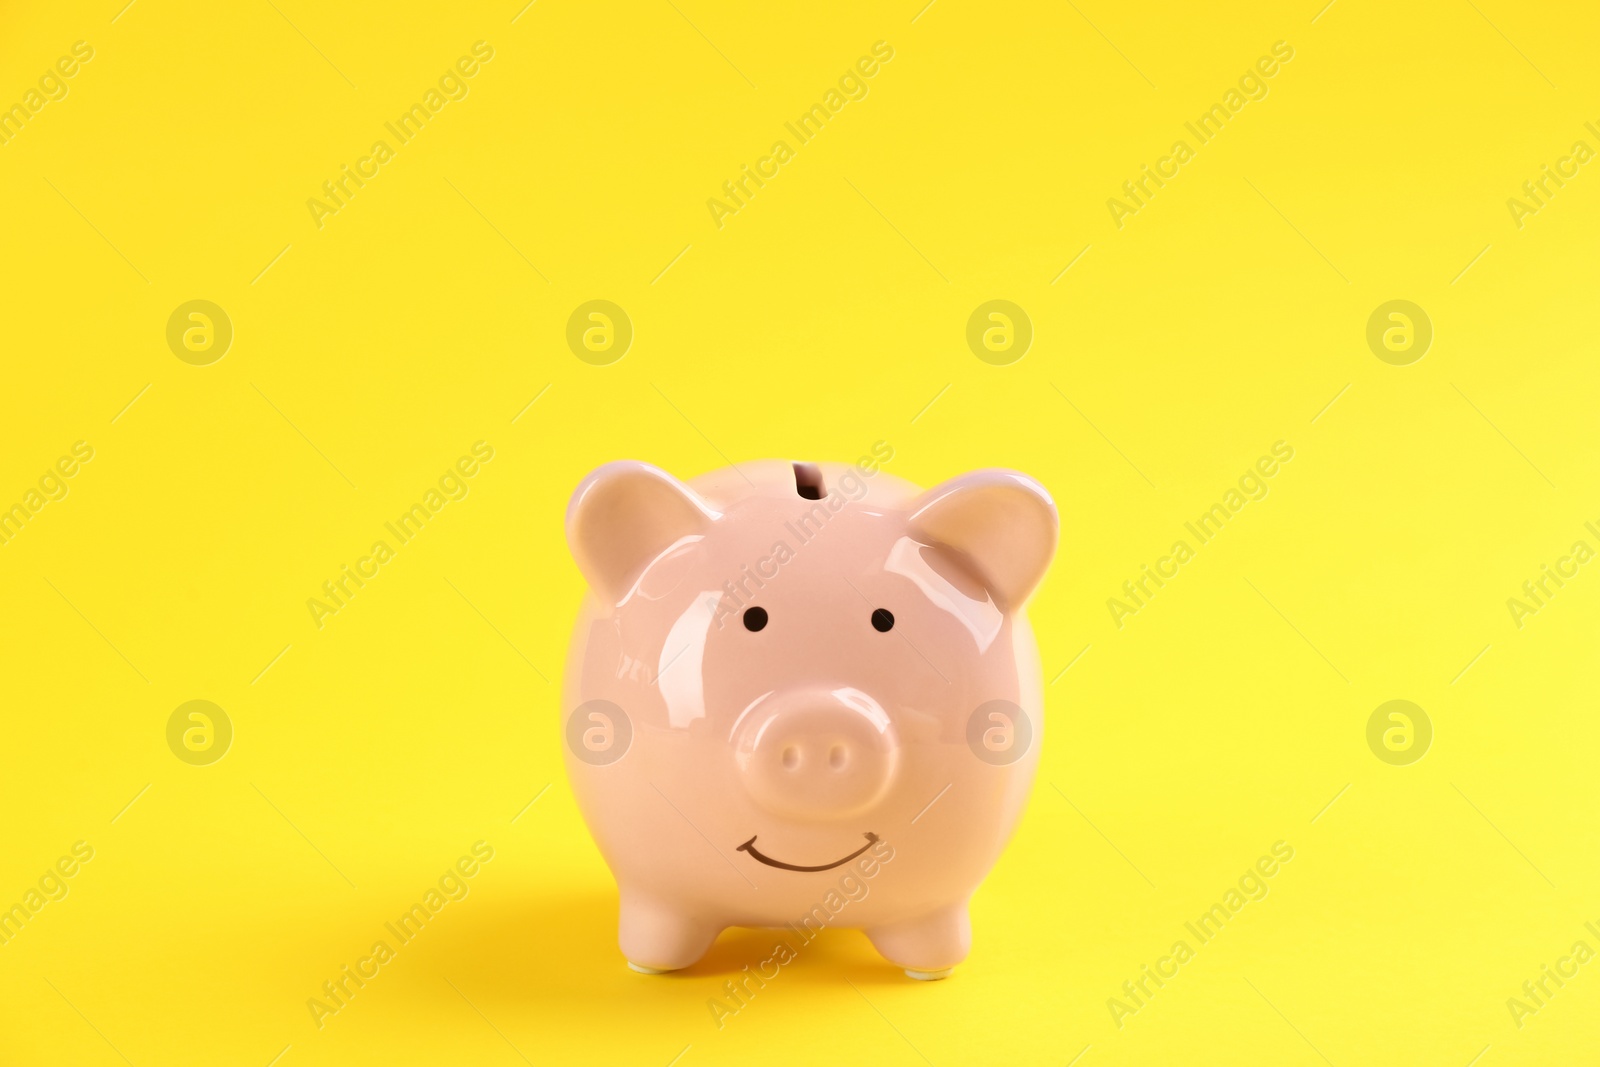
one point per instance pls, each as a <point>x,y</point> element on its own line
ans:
<point>882,621</point>
<point>755,618</point>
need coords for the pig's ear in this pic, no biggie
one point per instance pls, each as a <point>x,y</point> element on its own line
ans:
<point>625,514</point>
<point>1004,523</point>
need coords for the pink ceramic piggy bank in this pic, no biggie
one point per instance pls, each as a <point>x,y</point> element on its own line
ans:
<point>803,696</point>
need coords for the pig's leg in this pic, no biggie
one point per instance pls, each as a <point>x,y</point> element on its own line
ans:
<point>929,946</point>
<point>657,937</point>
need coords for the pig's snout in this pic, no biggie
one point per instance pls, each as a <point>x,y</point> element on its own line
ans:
<point>817,754</point>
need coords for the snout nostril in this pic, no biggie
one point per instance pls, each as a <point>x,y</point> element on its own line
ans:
<point>812,754</point>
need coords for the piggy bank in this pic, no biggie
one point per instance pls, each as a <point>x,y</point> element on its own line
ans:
<point>803,696</point>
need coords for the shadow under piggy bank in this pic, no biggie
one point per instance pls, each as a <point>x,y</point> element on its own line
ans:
<point>561,946</point>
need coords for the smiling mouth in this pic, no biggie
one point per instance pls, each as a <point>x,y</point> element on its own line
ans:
<point>750,847</point>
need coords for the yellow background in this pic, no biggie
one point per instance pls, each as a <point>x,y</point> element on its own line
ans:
<point>824,316</point>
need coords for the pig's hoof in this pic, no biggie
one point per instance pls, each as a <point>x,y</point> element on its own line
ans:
<point>656,937</point>
<point>653,970</point>
<point>929,976</point>
<point>926,947</point>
